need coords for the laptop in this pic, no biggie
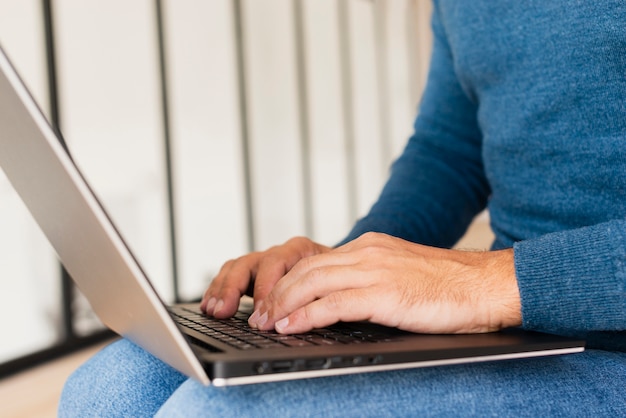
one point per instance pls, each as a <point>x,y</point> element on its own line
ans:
<point>214,352</point>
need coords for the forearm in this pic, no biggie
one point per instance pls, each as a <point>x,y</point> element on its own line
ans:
<point>574,282</point>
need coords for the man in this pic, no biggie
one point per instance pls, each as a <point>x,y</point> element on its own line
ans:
<point>524,113</point>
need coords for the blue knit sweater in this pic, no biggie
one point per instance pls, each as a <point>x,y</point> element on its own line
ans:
<point>525,113</point>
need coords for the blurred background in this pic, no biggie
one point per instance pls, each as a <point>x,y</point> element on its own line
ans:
<point>208,129</point>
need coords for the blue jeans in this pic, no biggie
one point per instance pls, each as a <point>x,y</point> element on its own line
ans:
<point>124,380</point>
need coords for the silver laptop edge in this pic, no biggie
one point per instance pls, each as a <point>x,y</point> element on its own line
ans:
<point>387,367</point>
<point>80,231</point>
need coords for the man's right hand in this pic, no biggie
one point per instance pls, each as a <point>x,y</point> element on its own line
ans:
<point>259,271</point>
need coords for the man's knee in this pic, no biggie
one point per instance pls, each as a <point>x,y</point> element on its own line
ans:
<point>121,380</point>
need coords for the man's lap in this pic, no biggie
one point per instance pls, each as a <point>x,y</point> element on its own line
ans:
<point>125,380</point>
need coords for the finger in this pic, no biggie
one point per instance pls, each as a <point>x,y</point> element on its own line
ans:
<point>313,280</point>
<point>262,269</point>
<point>259,271</point>
<point>271,270</point>
<point>208,300</point>
<point>279,261</point>
<point>222,297</point>
<point>347,305</point>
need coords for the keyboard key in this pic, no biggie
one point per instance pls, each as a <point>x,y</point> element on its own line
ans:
<point>237,333</point>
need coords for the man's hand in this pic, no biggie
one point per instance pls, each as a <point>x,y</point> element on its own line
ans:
<point>258,271</point>
<point>377,278</point>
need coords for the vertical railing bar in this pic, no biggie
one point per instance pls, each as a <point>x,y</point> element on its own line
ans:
<point>347,106</point>
<point>416,76</point>
<point>243,120</point>
<point>67,285</point>
<point>304,123</point>
<point>53,91</point>
<point>167,143</point>
<point>382,75</point>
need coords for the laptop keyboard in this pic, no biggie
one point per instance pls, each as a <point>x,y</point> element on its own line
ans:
<point>237,333</point>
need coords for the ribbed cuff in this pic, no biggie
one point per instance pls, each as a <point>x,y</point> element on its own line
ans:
<point>574,280</point>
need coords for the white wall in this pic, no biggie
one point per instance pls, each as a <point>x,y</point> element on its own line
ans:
<point>29,273</point>
<point>342,105</point>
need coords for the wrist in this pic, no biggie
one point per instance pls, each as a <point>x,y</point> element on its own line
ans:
<point>503,293</point>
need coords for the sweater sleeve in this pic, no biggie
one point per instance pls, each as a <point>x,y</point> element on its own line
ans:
<point>438,184</point>
<point>574,283</point>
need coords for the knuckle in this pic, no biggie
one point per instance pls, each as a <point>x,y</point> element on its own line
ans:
<point>374,240</point>
<point>309,271</point>
<point>302,266</point>
<point>315,275</point>
<point>309,317</point>
<point>306,314</point>
<point>335,301</point>
<point>276,298</point>
<point>371,236</point>
<point>277,307</point>
<point>268,262</point>
<point>297,241</point>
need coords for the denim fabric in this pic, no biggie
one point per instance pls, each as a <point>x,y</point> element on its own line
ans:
<point>125,381</point>
<point>122,380</point>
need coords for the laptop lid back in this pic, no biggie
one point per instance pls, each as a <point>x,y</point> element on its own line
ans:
<point>80,231</point>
